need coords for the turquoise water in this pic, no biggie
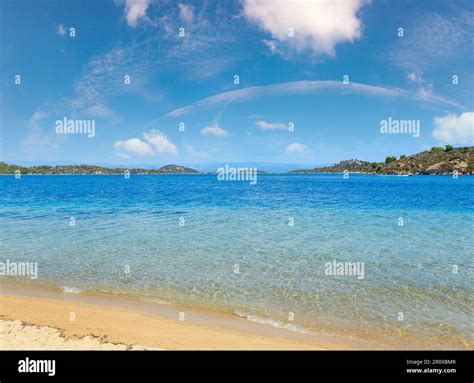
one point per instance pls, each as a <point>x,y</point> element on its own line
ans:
<point>134,225</point>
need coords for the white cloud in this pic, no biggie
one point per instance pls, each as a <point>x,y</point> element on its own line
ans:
<point>160,142</point>
<point>296,148</point>
<point>61,30</point>
<point>453,129</point>
<point>215,130</point>
<point>134,10</point>
<point>156,143</point>
<point>319,25</point>
<point>185,13</point>
<point>271,125</point>
<point>133,146</point>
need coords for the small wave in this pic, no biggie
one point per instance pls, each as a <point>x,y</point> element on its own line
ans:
<point>274,323</point>
<point>71,290</point>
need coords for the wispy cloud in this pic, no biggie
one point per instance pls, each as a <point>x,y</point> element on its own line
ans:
<point>296,148</point>
<point>272,46</point>
<point>39,115</point>
<point>425,88</point>
<point>100,111</point>
<point>36,138</point>
<point>61,30</point>
<point>271,125</point>
<point>134,10</point>
<point>193,56</point>
<point>103,75</point>
<point>302,87</point>
<point>185,13</point>
<point>415,77</point>
<point>196,153</point>
<point>214,130</point>
<point>199,54</point>
<point>434,40</point>
<point>100,80</point>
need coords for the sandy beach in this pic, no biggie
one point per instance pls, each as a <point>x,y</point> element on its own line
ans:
<point>59,323</point>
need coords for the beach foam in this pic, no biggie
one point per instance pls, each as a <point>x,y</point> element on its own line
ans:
<point>71,290</point>
<point>274,323</point>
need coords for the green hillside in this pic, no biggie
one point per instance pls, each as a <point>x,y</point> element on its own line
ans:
<point>434,161</point>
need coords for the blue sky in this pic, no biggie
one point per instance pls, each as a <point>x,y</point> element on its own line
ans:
<point>290,58</point>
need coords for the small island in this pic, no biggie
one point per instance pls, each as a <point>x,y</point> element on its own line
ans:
<point>91,169</point>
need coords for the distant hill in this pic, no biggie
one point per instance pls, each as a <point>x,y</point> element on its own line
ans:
<point>175,169</point>
<point>91,169</point>
<point>435,161</point>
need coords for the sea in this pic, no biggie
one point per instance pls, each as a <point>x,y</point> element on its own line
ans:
<point>387,259</point>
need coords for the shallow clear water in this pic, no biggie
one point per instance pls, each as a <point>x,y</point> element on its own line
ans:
<point>135,223</point>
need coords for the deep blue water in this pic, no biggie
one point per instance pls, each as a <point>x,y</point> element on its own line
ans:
<point>135,223</point>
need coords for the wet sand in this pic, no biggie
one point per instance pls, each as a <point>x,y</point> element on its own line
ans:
<point>38,320</point>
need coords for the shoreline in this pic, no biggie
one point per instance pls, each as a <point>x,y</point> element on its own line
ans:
<point>34,319</point>
<point>259,173</point>
<point>113,320</point>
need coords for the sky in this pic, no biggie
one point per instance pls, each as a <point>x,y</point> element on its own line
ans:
<point>199,82</point>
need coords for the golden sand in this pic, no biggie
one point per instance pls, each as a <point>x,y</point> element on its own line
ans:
<point>31,322</point>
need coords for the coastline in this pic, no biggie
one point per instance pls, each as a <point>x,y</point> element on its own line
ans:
<point>44,320</point>
<point>437,161</point>
<point>299,173</point>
